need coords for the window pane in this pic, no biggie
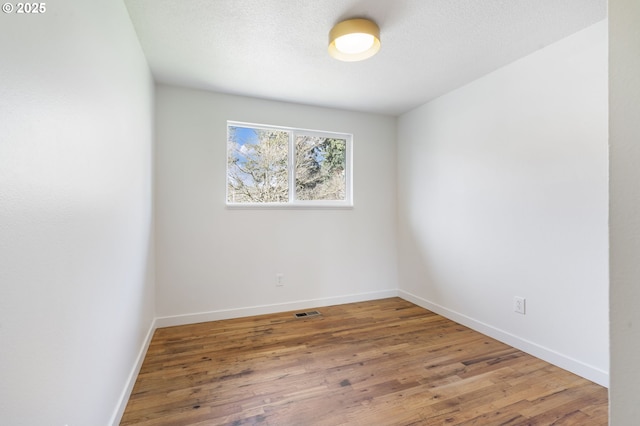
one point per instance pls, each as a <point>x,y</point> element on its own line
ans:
<point>257,165</point>
<point>320,168</point>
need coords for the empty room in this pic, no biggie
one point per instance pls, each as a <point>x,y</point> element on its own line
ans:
<point>230,212</point>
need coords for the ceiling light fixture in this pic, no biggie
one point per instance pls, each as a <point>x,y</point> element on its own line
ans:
<point>354,40</point>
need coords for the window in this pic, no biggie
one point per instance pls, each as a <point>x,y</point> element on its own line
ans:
<point>278,166</point>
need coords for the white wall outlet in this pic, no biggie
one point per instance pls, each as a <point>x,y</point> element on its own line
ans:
<point>519,305</point>
<point>279,279</point>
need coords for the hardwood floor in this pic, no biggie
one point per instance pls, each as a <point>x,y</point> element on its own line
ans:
<point>384,362</point>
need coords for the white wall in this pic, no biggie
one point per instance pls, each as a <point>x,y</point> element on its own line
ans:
<point>624,209</point>
<point>222,262</point>
<point>76,271</point>
<point>503,193</point>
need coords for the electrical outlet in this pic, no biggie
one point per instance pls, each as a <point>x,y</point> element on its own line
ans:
<point>279,279</point>
<point>519,305</point>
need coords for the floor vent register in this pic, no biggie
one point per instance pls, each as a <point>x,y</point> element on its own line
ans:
<point>306,314</point>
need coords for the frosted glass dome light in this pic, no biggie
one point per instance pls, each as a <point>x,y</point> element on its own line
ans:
<point>354,40</point>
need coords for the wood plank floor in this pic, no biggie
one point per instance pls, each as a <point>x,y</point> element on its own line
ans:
<point>384,362</point>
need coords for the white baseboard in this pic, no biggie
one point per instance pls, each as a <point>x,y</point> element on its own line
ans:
<point>131,380</point>
<point>170,321</point>
<point>567,363</point>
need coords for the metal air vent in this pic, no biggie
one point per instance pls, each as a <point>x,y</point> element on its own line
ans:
<point>306,314</point>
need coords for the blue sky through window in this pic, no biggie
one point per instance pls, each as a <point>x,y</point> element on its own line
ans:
<point>243,136</point>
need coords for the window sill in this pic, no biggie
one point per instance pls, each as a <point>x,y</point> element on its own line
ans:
<point>289,206</point>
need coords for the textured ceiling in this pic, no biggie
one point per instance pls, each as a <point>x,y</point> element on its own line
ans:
<point>277,49</point>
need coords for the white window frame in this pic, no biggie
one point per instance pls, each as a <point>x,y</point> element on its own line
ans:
<point>292,202</point>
